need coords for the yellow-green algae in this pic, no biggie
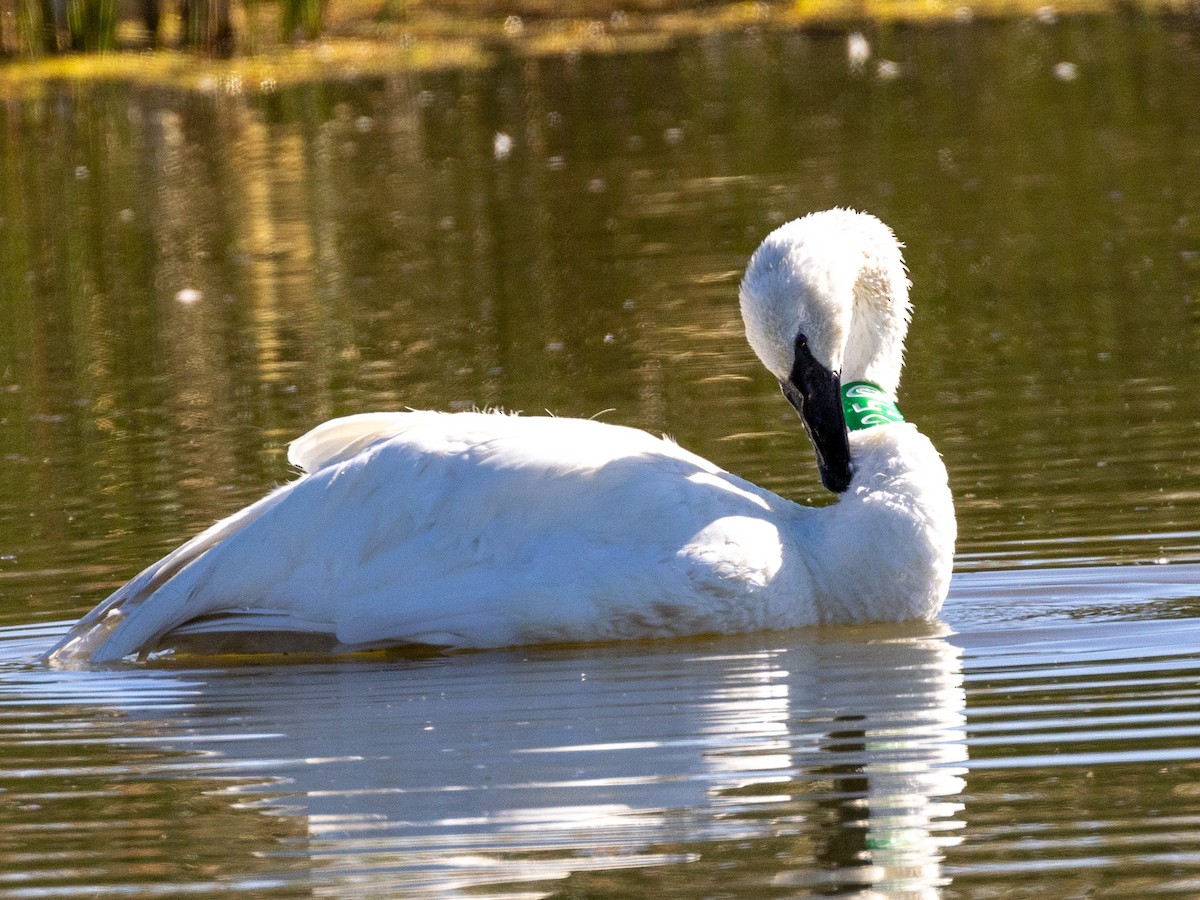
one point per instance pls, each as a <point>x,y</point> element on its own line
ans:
<point>333,59</point>
<point>376,37</point>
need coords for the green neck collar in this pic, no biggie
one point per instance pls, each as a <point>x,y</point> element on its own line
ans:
<point>866,405</point>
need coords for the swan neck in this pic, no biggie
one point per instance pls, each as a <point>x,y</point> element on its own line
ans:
<point>885,549</point>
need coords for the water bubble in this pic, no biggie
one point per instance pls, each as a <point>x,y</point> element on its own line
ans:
<point>502,145</point>
<point>1066,71</point>
<point>858,50</point>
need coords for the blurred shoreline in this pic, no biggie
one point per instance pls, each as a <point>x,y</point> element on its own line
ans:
<point>374,38</point>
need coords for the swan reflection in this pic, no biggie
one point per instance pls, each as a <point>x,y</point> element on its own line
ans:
<point>827,762</point>
<point>867,766</point>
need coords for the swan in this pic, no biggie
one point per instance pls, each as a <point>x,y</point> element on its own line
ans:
<point>484,529</point>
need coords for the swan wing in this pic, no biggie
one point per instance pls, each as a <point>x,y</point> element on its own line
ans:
<point>462,530</point>
<point>327,444</point>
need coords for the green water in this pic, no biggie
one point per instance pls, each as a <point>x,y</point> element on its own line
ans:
<point>189,281</point>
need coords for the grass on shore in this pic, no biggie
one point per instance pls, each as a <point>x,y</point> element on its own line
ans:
<point>372,37</point>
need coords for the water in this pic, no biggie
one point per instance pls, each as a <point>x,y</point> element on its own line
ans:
<point>189,281</point>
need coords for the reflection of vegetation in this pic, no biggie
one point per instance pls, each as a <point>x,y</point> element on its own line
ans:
<point>99,783</point>
<point>524,27</point>
<point>567,234</point>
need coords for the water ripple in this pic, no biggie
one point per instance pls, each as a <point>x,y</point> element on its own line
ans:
<point>873,757</point>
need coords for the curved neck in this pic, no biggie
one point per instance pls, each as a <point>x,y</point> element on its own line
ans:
<point>886,548</point>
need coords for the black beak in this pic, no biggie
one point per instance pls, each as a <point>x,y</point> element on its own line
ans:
<point>816,393</point>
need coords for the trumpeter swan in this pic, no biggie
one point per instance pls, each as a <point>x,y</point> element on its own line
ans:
<point>472,530</point>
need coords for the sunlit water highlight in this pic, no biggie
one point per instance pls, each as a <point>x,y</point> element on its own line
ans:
<point>810,761</point>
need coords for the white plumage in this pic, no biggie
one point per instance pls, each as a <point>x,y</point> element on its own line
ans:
<point>485,530</point>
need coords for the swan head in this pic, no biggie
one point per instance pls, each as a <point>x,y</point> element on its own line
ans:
<point>825,302</point>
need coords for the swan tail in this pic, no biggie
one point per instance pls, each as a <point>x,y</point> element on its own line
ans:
<point>338,440</point>
<point>153,602</point>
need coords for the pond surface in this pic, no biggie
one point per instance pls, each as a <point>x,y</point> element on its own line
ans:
<point>189,281</point>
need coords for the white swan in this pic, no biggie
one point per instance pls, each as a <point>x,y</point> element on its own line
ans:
<point>474,530</point>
